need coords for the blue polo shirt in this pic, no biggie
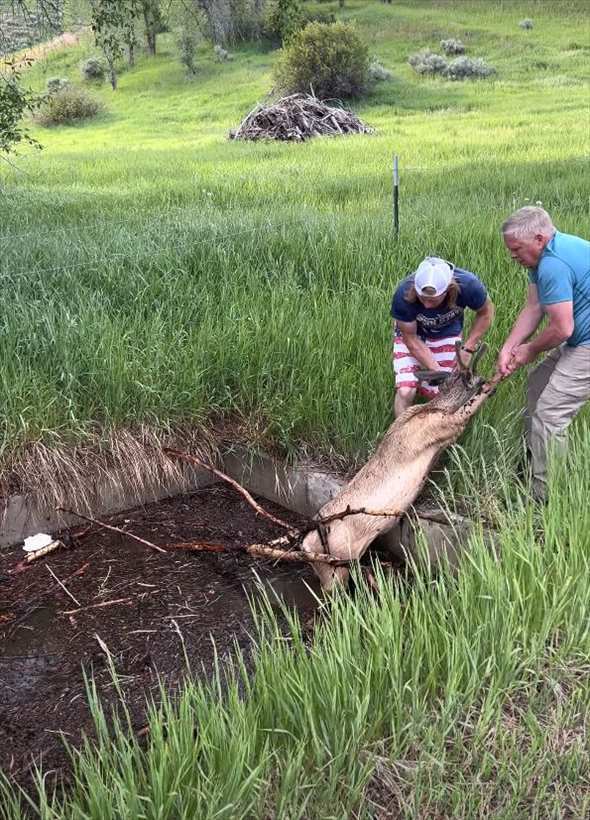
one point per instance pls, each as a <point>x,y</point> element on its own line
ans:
<point>444,320</point>
<point>563,275</point>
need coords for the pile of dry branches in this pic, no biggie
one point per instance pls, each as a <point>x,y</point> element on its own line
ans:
<point>298,117</point>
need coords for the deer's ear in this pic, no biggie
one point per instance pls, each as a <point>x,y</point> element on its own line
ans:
<point>432,376</point>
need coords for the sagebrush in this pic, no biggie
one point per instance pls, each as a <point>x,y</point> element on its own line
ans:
<point>464,68</point>
<point>427,62</point>
<point>93,69</point>
<point>461,68</point>
<point>452,46</point>
<point>55,84</point>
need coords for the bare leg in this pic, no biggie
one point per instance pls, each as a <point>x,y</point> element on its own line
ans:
<point>404,398</point>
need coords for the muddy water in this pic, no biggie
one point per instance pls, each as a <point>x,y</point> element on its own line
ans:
<point>135,602</point>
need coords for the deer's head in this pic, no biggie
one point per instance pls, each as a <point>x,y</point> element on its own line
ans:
<point>459,386</point>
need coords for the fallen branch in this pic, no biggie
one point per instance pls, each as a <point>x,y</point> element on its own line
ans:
<point>118,530</point>
<point>32,556</point>
<point>96,606</point>
<point>260,510</point>
<point>64,587</point>
<point>262,551</point>
<point>361,511</point>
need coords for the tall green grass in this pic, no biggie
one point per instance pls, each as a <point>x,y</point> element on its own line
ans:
<point>154,271</point>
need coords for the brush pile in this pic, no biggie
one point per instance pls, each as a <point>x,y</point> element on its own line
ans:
<point>297,118</point>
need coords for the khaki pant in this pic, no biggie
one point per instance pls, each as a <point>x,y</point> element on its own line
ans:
<point>557,389</point>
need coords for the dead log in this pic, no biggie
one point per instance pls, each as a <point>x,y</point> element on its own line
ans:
<point>261,551</point>
<point>394,476</point>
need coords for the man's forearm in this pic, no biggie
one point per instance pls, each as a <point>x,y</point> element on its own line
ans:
<point>480,327</point>
<point>552,336</point>
<point>527,322</point>
<point>421,353</point>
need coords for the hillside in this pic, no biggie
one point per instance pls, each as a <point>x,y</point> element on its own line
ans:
<point>179,272</point>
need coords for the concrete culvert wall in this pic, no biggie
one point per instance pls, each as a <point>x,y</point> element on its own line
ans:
<point>303,489</point>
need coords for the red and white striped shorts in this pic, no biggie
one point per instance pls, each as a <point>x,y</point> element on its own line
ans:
<point>405,365</point>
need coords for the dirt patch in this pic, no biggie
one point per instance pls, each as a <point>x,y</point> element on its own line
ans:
<point>28,54</point>
<point>43,649</point>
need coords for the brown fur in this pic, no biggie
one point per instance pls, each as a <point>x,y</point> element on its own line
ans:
<point>393,477</point>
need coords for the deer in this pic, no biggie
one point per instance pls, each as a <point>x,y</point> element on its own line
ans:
<point>391,480</point>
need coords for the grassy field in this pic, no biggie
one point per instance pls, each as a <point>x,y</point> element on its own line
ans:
<point>154,272</point>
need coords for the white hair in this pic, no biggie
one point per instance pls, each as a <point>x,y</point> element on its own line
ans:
<point>527,222</point>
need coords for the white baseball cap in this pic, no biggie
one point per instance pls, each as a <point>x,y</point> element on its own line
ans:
<point>434,275</point>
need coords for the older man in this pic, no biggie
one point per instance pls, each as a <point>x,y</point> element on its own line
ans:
<point>559,289</point>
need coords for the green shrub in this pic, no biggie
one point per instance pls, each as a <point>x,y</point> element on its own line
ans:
<point>426,62</point>
<point>55,84</point>
<point>93,69</point>
<point>66,106</point>
<point>328,58</point>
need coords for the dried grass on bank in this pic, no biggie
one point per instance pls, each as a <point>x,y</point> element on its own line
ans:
<point>129,462</point>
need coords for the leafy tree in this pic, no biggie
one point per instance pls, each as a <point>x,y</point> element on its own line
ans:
<point>283,19</point>
<point>15,102</point>
<point>153,21</point>
<point>113,24</point>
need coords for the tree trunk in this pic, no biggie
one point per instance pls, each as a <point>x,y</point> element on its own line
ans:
<point>150,37</point>
<point>112,74</point>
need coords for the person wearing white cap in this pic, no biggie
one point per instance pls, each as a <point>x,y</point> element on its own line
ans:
<point>428,313</point>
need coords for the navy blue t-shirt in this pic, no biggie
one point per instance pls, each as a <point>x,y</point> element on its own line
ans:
<point>442,321</point>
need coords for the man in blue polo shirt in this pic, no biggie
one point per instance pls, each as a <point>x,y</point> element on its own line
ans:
<point>559,289</point>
